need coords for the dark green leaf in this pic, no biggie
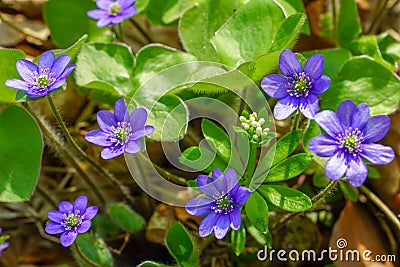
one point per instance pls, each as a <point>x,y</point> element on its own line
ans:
<point>348,25</point>
<point>285,197</point>
<point>181,245</point>
<point>390,47</point>
<point>93,249</point>
<point>151,264</point>
<point>201,159</point>
<point>19,135</point>
<point>218,137</point>
<point>291,7</point>
<point>261,67</point>
<point>289,168</point>
<point>262,239</point>
<point>257,212</point>
<point>155,11</point>
<point>311,131</point>
<point>126,218</point>
<point>104,227</point>
<point>288,32</point>
<point>238,240</point>
<point>286,145</point>
<point>348,190</point>
<point>74,49</point>
<point>373,173</point>
<point>8,60</point>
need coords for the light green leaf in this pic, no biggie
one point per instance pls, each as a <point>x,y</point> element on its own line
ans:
<point>151,264</point>
<point>141,5</point>
<point>126,218</point>
<point>8,61</point>
<point>68,21</point>
<point>348,25</point>
<point>155,11</point>
<point>257,211</point>
<point>286,145</point>
<point>20,154</point>
<point>218,138</point>
<point>363,80</point>
<point>288,32</point>
<point>93,249</point>
<point>181,245</point>
<point>261,67</point>
<point>389,46</point>
<point>285,197</point>
<point>291,7</point>
<point>176,8</point>
<point>74,49</point>
<point>201,159</point>
<point>200,23</point>
<point>261,20</point>
<point>238,240</point>
<point>311,131</point>
<point>289,168</point>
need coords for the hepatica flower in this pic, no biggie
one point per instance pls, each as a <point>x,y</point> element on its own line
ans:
<point>70,220</point>
<point>112,12</point>
<point>3,243</point>
<point>120,132</point>
<point>297,88</point>
<point>50,74</point>
<point>349,138</point>
<point>220,203</point>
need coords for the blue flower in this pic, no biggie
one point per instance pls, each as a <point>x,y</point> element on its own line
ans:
<point>112,12</point>
<point>349,138</point>
<point>120,132</point>
<point>70,220</point>
<point>220,203</point>
<point>297,89</point>
<point>3,243</point>
<point>49,75</point>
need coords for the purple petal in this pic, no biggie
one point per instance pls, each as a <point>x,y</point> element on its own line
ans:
<point>203,180</point>
<point>59,65</point>
<point>54,228</point>
<point>323,145</point>
<point>98,137</point>
<point>112,152</point>
<point>46,61</point>
<point>289,64</point>
<point>84,227</point>
<point>97,14</point>
<point>285,107</point>
<point>357,172</point>
<point>65,207</point>
<point>199,206</point>
<point>275,86</point>
<point>133,146</point>
<point>147,130</point>
<point>17,84</point>
<point>34,93</point>
<point>120,111</point>
<point>25,69</point>
<point>329,121</point>
<point>240,196</point>
<point>377,154</point>
<point>127,13</point>
<point>68,237</point>
<point>116,19</point>
<point>376,128</point>
<point>67,71</point>
<point>336,166</point>
<point>230,180</point>
<point>206,186</point>
<point>309,106</point>
<point>104,4</point>
<point>360,117</point>
<point>207,224</point>
<point>103,22</point>
<point>91,212</point>
<point>222,226</point>
<point>138,119</point>
<point>105,119</point>
<point>56,216</point>
<point>218,179</point>
<point>80,204</point>
<point>125,3</point>
<point>59,82</point>
<point>344,112</point>
<point>321,85</point>
<point>3,246</point>
<point>314,66</point>
<point>236,218</point>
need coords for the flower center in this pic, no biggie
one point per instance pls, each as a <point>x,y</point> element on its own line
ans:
<point>72,220</point>
<point>114,10</point>
<point>122,133</point>
<point>351,140</point>
<point>299,85</point>
<point>223,203</point>
<point>43,80</point>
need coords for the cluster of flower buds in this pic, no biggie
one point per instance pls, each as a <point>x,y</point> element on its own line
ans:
<point>254,126</point>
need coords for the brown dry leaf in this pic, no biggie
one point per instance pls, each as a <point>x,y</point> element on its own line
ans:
<point>159,223</point>
<point>361,232</point>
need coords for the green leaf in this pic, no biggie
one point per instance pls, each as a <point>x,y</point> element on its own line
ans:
<point>257,211</point>
<point>348,190</point>
<point>104,227</point>
<point>311,131</point>
<point>93,249</point>
<point>218,138</point>
<point>181,245</point>
<point>390,47</point>
<point>201,159</point>
<point>261,20</point>
<point>291,7</point>
<point>105,66</point>
<point>288,32</point>
<point>373,173</point>
<point>289,168</point>
<point>141,5</point>
<point>68,21</point>
<point>261,67</point>
<point>151,264</point>
<point>348,25</point>
<point>286,145</point>
<point>238,240</point>
<point>8,61</point>
<point>126,218</point>
<point>19,135</point>
<point>200,23</point>
<point>155,11</point>
<point>262,239</point>
<point>285,198</point>
<point>363,80</point>
<point>176,8</point>
<point>74,49</point>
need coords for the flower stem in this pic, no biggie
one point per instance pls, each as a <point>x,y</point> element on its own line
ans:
<point>296,121</point>
<point>120,33</point>
<point>83,257</point>
<point>322,194</point>
<point>251,164</point>
<point>382,206</point>
<point>124,189</point>
<point>68,155</point>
